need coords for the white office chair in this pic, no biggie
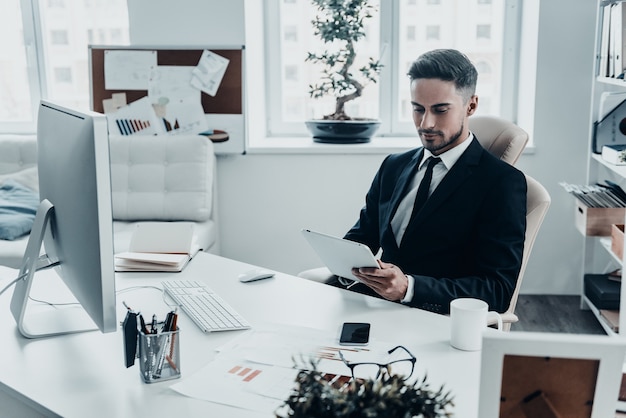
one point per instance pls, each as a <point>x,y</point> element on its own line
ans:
<point>537,204</point>
<point>500,137</point>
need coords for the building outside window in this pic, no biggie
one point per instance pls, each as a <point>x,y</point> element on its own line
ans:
<point>32,66</point>
<point>398,33</point>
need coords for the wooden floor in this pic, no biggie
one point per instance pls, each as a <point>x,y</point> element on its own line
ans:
<point>554,313</point>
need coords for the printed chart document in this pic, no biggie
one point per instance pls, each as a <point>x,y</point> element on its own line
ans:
<point>257,369</point>
<point>158,246</point>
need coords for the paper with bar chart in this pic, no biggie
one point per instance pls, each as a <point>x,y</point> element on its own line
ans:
<point>137,118</point>
<point>234,381</point>
<point>257,369</point>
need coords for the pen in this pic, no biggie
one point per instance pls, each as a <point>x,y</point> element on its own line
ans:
<point>167,325</point>
<point>160,356</point>
<point>154,324</point>
<point>144,328</point>
<point>170,356</point>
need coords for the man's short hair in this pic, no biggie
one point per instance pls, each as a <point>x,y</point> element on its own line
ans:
<point>447,65</point>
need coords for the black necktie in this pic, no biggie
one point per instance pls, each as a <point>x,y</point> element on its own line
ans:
<point>422,191</point>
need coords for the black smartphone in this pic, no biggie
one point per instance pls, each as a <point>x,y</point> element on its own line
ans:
<point>355,333</point>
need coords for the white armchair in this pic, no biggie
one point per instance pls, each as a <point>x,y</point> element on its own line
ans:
<point>18,162</point>
<point>166,179</point>
<point>153,178</point>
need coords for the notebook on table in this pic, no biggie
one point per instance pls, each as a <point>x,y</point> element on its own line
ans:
<point>158,246</point>
<point>340,255</point>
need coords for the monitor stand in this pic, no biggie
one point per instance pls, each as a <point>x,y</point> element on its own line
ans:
<point>50,322</point>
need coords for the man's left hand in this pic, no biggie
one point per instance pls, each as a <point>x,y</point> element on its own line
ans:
<point>388,280</point>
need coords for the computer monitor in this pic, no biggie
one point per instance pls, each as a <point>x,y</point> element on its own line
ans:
<point>74,223</point>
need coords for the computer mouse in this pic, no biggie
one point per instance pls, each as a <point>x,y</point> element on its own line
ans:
<point>255,274</point>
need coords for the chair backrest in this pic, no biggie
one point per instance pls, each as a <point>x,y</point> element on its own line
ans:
<point>506,141</point>
<point>502,138</point>
<point>537,204</point>
<point>162,178</point>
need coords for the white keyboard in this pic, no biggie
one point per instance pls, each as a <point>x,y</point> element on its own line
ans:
<point>206,308</point>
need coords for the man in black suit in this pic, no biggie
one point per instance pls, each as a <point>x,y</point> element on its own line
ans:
<point>467,239</point>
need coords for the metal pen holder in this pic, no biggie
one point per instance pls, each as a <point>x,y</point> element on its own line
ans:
<point>159,356</point>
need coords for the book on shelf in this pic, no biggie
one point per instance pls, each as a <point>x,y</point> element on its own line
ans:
<point>611,318</point>
<point>158,246</point>
<point>605,55</point>
<point>616,38</point>
<point>612,52</point>
<point>614,154</point>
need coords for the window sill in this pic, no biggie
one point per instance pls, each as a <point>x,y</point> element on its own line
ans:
<point>305,145</point>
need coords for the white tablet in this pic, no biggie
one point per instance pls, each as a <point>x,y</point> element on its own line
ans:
<point>340,255</point>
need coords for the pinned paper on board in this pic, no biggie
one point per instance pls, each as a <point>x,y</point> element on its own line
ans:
<point>180,117</point>
<point>116,101</point>
<point>208,74</point>
<point>138,118</point>
<point>128,70</point>
<point>173,83</point>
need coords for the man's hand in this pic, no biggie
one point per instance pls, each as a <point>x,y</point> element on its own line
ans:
<point>388,280</point>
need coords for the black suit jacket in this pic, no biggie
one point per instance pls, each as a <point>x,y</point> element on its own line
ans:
<point>468,239</point>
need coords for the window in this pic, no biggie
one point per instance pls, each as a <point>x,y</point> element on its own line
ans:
<point>432,33</point>
<point>58,37</point>
<point>399,32</point>
<point>483,32</point>
<point>62,75</point>
<point>411,33</point>
<point>291,73</point>
<point>291,33</point>
<point>32,66</point>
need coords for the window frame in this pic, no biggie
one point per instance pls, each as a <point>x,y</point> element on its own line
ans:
<point>38,71</point>
<point>32,38</point>
<point>388,80</point>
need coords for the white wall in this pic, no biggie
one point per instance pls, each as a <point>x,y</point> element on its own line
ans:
<point>265,199</point>
<point>565,51</point>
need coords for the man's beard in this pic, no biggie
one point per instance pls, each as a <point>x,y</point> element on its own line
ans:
<point>436,147</point>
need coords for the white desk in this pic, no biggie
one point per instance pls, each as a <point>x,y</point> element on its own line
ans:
<point>84,375</point>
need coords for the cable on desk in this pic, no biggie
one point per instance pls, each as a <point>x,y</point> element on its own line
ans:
<point>40,266</point>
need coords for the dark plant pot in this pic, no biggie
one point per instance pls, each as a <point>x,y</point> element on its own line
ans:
<point>342,131</point>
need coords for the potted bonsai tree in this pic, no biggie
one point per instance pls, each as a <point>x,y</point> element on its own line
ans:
<point>340,25</point>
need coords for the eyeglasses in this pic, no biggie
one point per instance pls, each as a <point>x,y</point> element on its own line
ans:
<point>404,366</point>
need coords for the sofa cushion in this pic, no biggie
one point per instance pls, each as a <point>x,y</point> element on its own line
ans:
<point>18,207</point>
<point>17,152</point>
<point>162,177</point>
<point>27,177</point>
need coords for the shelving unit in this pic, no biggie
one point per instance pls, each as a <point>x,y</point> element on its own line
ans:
<point>598,257</point>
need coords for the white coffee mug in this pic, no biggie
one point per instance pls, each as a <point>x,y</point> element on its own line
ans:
<point>468,322</point>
